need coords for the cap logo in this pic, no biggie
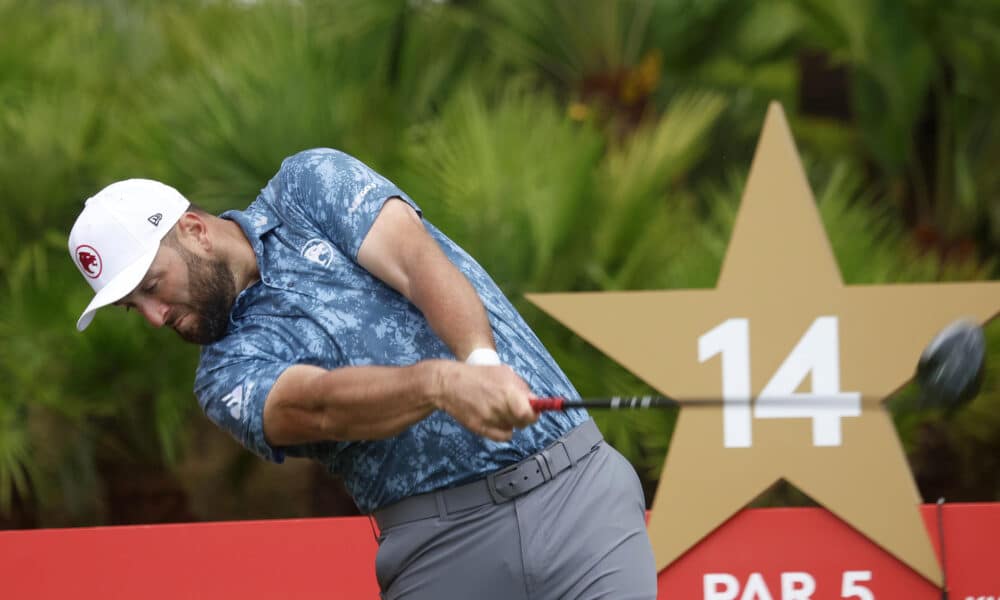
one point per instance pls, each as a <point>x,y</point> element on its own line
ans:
<point>155,219</point>
<point>90,261</point>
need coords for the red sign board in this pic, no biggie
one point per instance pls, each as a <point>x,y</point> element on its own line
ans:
<point>807,553</point>
<point>760,554</point>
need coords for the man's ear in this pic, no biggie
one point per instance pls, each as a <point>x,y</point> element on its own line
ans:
<point>192,229</point>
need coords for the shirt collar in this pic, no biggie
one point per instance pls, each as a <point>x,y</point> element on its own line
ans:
<point>255,221</point>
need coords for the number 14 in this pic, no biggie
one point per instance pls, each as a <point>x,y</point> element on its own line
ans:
<point>818,352</point>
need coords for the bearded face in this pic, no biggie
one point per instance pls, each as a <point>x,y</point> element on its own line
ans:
<point>212,289</point>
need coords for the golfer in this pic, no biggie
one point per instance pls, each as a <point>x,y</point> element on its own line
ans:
<point>337,324</point>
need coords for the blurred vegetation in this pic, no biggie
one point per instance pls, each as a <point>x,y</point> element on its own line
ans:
<point>567,144</point>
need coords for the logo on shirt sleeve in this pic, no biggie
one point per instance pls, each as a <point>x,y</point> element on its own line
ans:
<point>234,402</point>
<point>360,196</point>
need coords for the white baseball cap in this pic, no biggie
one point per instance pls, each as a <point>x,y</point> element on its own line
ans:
<point>117,236</point>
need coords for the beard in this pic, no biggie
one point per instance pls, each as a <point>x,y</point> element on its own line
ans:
<point>213,291</point>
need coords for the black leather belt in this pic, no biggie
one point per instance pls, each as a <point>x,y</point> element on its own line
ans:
<point>500,486</point>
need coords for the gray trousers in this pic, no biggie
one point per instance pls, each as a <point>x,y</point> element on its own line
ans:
<point>581,535</point>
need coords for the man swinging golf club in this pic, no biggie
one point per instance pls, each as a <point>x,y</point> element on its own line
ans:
<point>337,324</point>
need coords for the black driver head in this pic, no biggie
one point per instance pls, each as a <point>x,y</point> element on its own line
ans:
<point>950,370</point>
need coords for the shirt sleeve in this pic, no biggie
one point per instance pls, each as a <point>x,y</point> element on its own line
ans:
<point>232,394</point>
<point>340,195</point>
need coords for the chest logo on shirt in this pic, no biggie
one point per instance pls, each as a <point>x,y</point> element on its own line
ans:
<point>318,251</point>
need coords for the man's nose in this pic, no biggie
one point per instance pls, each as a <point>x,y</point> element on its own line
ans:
<point>153,311</point>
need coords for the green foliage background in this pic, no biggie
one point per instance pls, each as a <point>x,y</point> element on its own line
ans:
<point>567,144</point>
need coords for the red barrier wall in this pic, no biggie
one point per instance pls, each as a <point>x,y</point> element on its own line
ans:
<point>760,554</point>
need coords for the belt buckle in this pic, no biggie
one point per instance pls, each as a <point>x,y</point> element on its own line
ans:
<point>491,484</point>
<point>495,490</point>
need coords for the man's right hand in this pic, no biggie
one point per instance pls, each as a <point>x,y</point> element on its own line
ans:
<point>490,401</point>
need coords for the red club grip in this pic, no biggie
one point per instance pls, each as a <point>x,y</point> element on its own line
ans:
<point>543,404</point>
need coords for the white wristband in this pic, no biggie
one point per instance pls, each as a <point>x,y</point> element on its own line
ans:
<point>483,357</point>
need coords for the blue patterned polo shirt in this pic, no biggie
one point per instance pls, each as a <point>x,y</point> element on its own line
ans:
<point>314,304</point>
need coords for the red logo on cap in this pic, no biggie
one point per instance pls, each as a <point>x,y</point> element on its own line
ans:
<point>90,261</point>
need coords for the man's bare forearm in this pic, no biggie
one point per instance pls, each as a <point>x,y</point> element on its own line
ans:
<point>451,305</point>
<point>399,251</point>
<point>309,404</point>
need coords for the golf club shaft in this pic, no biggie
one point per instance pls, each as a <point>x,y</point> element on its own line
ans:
<point>949,373</point>
<point>646,402</point>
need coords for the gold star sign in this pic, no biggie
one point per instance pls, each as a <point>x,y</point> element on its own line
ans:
<point>801,360</point>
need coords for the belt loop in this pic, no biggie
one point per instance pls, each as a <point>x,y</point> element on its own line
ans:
<point>569,455</point>
<point>442,506</point>
<point>542,460</point>
<point>371,522</point>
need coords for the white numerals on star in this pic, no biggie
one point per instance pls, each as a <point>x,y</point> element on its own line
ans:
<point>817,353</point>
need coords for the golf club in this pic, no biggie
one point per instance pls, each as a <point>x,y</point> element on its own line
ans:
<point>949,374</point>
